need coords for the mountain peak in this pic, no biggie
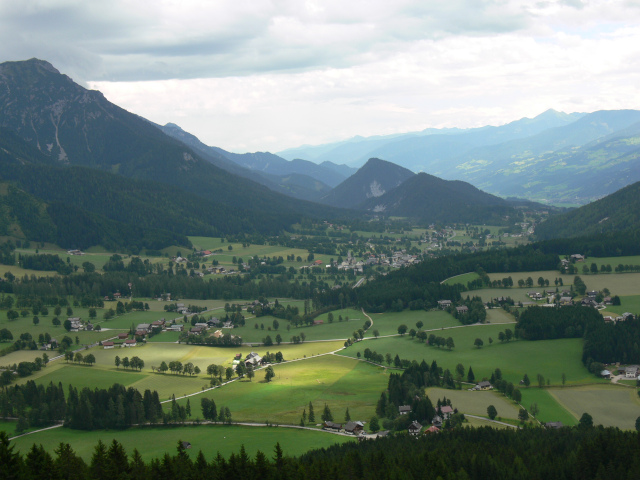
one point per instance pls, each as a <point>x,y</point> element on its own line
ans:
<point>33,63</point>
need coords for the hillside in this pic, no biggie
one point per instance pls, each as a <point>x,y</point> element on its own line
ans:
<point>616,212</point>
<point>75,126</point>
<point>90,207</point>
<point>374,179</point>
<point>299,186</point>
<point>433,199</point>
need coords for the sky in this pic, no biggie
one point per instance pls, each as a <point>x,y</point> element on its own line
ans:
<point>258,75</point>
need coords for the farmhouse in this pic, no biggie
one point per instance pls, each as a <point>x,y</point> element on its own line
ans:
<point>146,327</point>
<point>566,301</point>
<point>443,304</point>
<point>431,429</point>
<point>332,426</point>
<point>253,359</point>
<point>107,345</point>
<point>462,309</point>
<point>354,428</point>
<point>447,411</point>
<point>414,428</point>
<point>404,409</point>
<point>631,371</point>
<point>553,425</point>
<point>485,385</point>
<point>130,342</point>
<point>577,257</point>
<point>437,421</point>
<point>176,327</point>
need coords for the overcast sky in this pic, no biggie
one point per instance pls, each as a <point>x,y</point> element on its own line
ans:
<point>249,75</point>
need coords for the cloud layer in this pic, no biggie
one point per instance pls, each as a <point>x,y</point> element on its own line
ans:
<point>266,75</point>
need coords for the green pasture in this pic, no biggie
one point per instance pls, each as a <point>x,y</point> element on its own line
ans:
<point>475,402</point>
<point>153,442</point>
<point>462,279</point>
<point>104,372</point>
<point>619,284</point>
<point>387,323</point>
<point>478,422</point>
<point>339,382</point>
<point>326,331</point>
<point>550,409</point>
<point>165,337</point>
<point>607,404</point>
<point>517,294</point>
<point>628,303</point>
<point>613,261</point>
<point>550,358</point>
<point>21,272</point>
<point>499,315</point>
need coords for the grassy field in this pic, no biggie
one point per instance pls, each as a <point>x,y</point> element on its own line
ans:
<point>629,303</point>
<point>608,405</point>
<point>613,261</point>
<point>338,381</point>
<point>498,315</point>
<point>326,331</point>
<point>550,358</point>
<point>104,373</point>
<point>153,442</point>
<point>550,409</point>
<point>462,279</point>
<point>475,403</point>
<point>387,323</point>
<point>517,294</point>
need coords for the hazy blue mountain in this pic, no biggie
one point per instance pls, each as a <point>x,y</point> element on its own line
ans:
<point>342,169</point>
<point>417,150</point>
<point>299,186</point>
<point>578,163</point>
<point>436,200</point>
<point>374,179</point>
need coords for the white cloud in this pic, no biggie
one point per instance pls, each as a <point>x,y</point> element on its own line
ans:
<point>249,75</point>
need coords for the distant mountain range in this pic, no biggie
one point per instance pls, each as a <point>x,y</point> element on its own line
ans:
<point>298,178</point>
<point>555,157</point>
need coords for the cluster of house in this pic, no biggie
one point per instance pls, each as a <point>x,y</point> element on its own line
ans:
<point>353,428</point>
<point>78,325</point>
<point>630,371</point>
<point>252,359</point>
<point>123,341</point>
<point>415,428</point>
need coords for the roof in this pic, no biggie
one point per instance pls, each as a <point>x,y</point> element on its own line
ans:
<point>446,409</point>
<point>404,408</point>
<point>415,426</point>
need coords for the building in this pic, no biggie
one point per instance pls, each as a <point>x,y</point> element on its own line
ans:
<point>414,428</point>
<point>404,409</point>
<point>107,345</point>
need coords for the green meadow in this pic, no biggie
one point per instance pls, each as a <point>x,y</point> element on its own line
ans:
<point>153,442</point>
<point>104,372</point>
<point>462,279</point>
<point>475,403</point>
<point>338,381</point>
<point>550,358</point>
<point>550,410</point>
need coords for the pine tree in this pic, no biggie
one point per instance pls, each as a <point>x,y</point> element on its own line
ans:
<point>470,376</point>
<point>326,414</point>
<point>312,416</point>
<point>347,417</point>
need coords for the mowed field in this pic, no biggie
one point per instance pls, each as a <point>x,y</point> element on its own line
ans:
<point>608,405</point>
<point>550,358</point>
<point>475,403</point>
<point>338,381</point>
<point>104,373</point>
<point>153,442</point>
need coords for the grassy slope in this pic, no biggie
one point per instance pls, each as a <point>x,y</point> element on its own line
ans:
<point>337,381</point>
<point>211,439</point>
<point>550,358</point>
